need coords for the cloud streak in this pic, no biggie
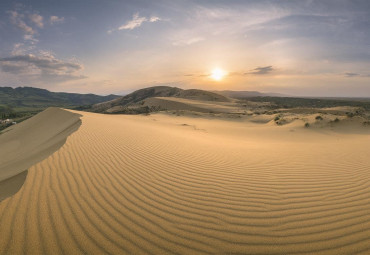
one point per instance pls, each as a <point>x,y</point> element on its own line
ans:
<point>261,70</point>
<point>43,62</point>
<point>187,41</point>
<point>45,67</point>
<point>135,22</point>
<point>351,74</point>
<point>37,20</point>
<point>17,19</point>
<point>56,19</point>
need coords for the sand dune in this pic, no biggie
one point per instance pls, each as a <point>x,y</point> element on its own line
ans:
<point>23,145</point>
<point>162,184</point>
<point>173,103</point>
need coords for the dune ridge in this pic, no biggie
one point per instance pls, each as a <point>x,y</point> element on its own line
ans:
<point>31,141</point>
<point>156,185</point>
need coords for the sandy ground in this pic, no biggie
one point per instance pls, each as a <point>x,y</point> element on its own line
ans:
<point>172,103</point>
<point>164,184</point>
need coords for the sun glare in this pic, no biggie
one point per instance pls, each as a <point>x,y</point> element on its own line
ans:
<point>217,74</point>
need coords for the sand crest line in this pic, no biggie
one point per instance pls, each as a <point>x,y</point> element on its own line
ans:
<point>30,142</point>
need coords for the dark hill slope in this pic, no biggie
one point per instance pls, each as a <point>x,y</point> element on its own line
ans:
<point>137,97</point>
<point>35,98</point>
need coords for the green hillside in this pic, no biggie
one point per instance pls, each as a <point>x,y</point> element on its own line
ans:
<point>18,104</point>
<point>28,98</point>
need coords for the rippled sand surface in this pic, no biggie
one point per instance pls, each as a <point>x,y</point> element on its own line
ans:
<point>178,185</point>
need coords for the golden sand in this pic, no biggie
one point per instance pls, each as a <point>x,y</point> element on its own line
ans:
<point>164,184</point>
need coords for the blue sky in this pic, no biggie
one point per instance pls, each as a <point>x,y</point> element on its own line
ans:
<point>312,48</point>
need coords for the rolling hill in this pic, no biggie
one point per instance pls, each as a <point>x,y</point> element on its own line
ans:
<point>136,101</point>
<point>29,98</point>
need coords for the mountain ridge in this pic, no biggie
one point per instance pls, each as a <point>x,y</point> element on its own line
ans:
<point>37,98</point>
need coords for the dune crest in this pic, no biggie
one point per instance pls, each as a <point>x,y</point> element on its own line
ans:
<point>31,141</point>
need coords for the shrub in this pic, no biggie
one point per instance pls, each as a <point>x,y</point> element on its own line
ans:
<point>318,117</point>
<point>306,125</point>
<point>350,114</point>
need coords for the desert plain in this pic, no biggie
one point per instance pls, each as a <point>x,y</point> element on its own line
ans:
<point>185,183</point>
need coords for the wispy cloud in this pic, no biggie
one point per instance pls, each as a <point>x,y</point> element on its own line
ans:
<point>17,19</point>
<point>44,66</point>
<point>136,22</point>
<point>37,19</point>
<point>22,48</point>
<point>187,41</point>
<point>154,19</point>
<point>29,22</point>
<point>43,62</point>
<point>56,19</point>
<point>261,70</point>
<point>351,74</point>
<point>30,38</point>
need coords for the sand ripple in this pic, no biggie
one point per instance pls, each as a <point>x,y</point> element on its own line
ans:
<point>128,185</point>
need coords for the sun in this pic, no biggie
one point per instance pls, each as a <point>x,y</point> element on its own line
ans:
<point>217,74</point>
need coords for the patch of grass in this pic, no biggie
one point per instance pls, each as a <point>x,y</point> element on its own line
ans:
<point>292,102</point>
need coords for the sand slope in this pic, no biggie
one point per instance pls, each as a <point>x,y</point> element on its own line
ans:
<point>162,185</point>
<point>172,103</point>
<point>24,144</point>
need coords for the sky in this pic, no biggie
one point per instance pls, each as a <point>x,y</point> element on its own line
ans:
<point>294,47</point>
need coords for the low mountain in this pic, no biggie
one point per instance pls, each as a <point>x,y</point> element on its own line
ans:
<point>27,98</point>
<point>133,103</point>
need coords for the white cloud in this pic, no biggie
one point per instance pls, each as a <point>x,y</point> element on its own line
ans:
<point>18,20</point>
<point>44,66</point>
<point>30,38</point>
<point>37,19</point>
<point>56,19</point>
<point>187,41</point>
<point>18,49</point>
<point>154,19</point>
<point>135,22</point>
<point>22,48</point>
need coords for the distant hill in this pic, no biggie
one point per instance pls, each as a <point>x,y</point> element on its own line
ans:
<point>28,98</point>
<point>133,103</point>
<point>247,94</point>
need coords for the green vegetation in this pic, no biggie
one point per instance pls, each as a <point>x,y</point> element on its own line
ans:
<point>22,103</point>
<point>136,110</point>
<point>293,102</point>
<point>359,112</point>
<point>8,115</point>
<point>34,99</point>
<point>318,117</point>
<point>307,125</point>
